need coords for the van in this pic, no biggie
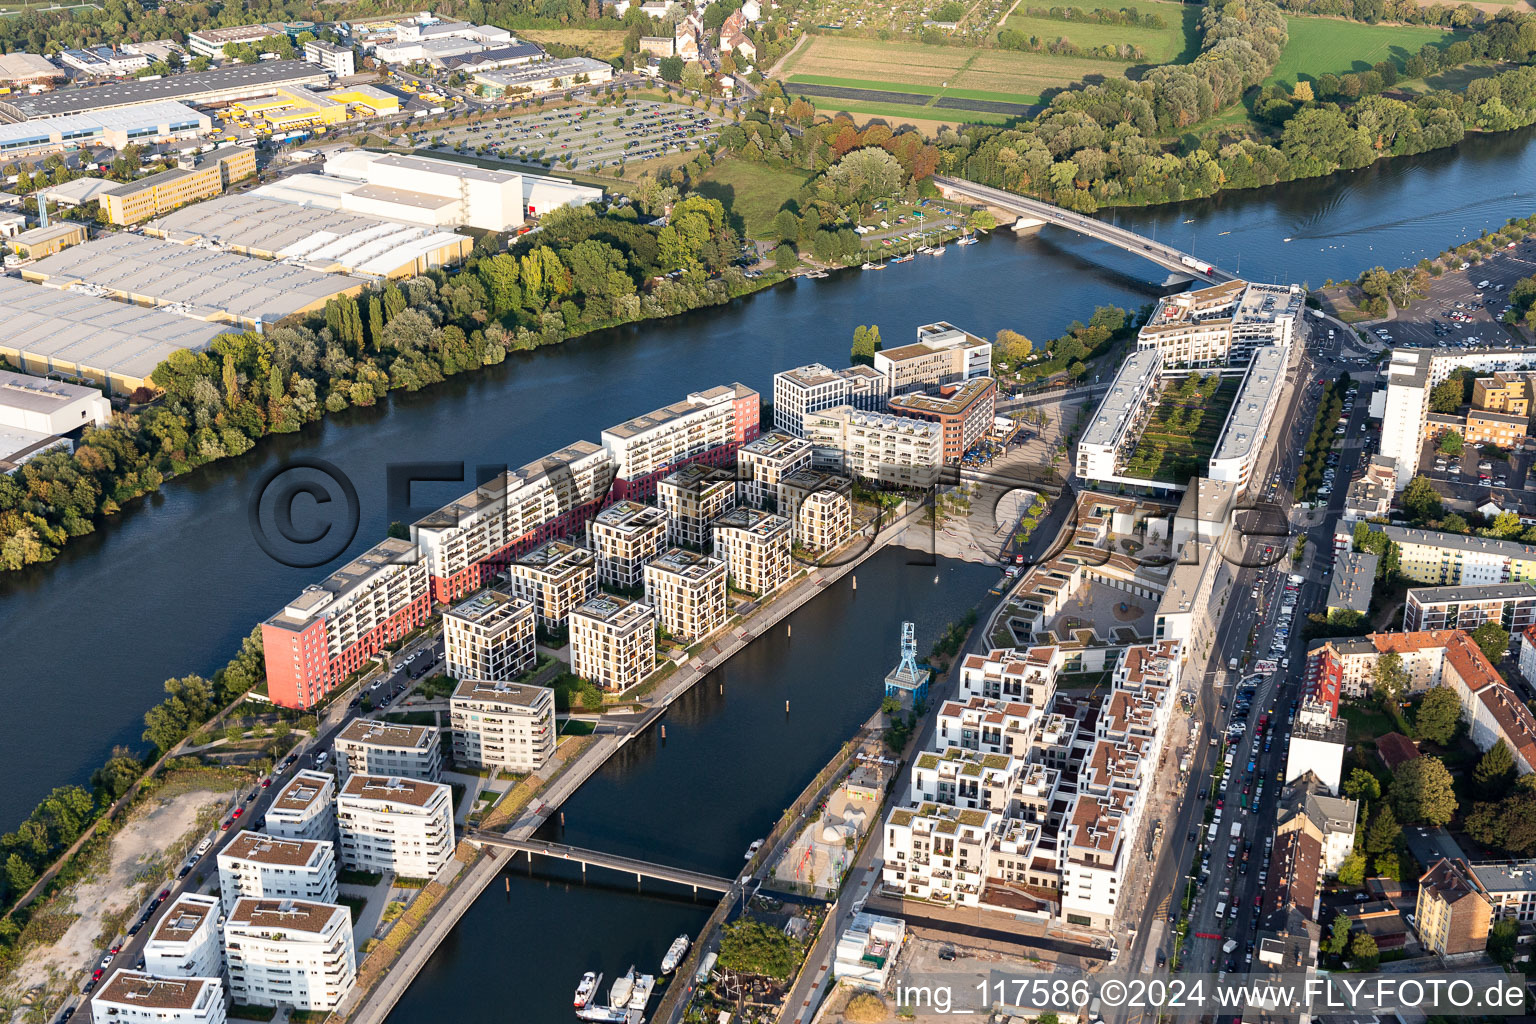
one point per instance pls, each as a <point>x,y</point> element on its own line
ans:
<point>1482,284</point>
<point>1221,910</point>
<point>203,847</point>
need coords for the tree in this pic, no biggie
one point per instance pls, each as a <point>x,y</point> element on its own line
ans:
<point>19,875</point>
<point>1383,833</point>
<point>1501,940</point>
<point>1493,640</point>
<point>1421,501</point>
<point>752,947</point>
<point>1451,443</point>
<point>1422,792</point>
<point>1438,716</point>
<point>1338,939</point>
<point>1010,346</point>
<point>1362,785</point>
<point>671,69</point>
<point>1389,679</point>
<point>1447,395</point>
<point>1352,871</point>
<point>784,256</point>
<point>866,342</point>
<point>1494,769</point>
<point>120,772</point>
<point>1363,950</point>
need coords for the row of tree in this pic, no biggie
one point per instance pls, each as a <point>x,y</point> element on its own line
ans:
<point>1061,46</point>
<point>1099,15</point>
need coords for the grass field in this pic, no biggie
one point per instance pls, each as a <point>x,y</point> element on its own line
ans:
<point>898,114</point>
<point>1178,43</point>
<point>751,192</point>
<point>600,43</point>
<point>1321,46</point>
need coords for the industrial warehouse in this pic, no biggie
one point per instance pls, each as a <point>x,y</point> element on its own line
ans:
<point>114,344</point>
<point>196,282</point>
<point>330,241</point>
<point>219,85</point>
<point>160,121</point>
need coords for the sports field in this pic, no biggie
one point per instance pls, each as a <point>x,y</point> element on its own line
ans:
<point>1178,42</point>
<point>1320,46</point>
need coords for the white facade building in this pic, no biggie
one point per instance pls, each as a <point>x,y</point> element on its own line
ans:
<point>49,407</point>
<point>1111,435</point>
<point>624,536</point>
<point>373,747</point>
<point>396,825</point>
<point>814,387</point>
<point>292,953</point>
<point>1247,426</point>
<point>304,809</point>
<point>338,60</point>
<point>186,941</point>
<point>502,725</point>
<point>713,422</point>
<point>138,997</point>
<point>1223,324</point>
<point>489,637</point>
<point>264,867</point>
<point>762,463</point>
<point>895,450</point>
<point>942,354</point>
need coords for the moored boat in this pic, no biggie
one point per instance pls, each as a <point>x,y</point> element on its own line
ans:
<point>675,954</point>
<point>623,986</point>
<point>641,993</point>
<point>586,989</point>
<point>605,1014</point>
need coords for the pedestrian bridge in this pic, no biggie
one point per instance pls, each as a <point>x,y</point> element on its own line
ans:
<point>695,880</point>
<point>1176,260</point>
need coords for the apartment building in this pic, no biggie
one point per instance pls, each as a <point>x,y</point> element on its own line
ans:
<point>693,498</point>
<point>893,450</point>
<point>755,547</point>
<point>1309,804</point>
<point>966,779</point>
<point>819,505</point>
<point>131,997</point>
<point>402,826</point>
<point>502,725</point>
<point>292,953</point>
<point>1223,324</point>
<point>1370,494</point>
<point>687,590</point>
<point>489,637</point>
<point>265,867</point>
<point>185,942</point>
<point>613,642</point>
<point>305,808</point>
<point>938,853</point>
<point>333,627</point>
<point>1511,605</point>
<point>468,541</point>
<point>1510,886</point>
<point>371,747</point>
<point>1354,579</point>
<point>707,426</point>
<point>987,726</point>
<point>1500,428</point>
<point>338,60</point>
<point>1110,437</point>
<point>1247,424</point>
<point>1317,746</point>
<point>555,578</point>
<point>1021,676</point>
<point>942,354</point>
<point>763,462</point>
<point>624,536</point>
<point>1451,915</point>
<point>157,194</point>
<point>812,388</point>
<point>1453,559</point>
<point>964,412</point>
<point>1503,392</point>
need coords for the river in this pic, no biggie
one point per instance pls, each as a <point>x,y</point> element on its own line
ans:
<point>170,586</point>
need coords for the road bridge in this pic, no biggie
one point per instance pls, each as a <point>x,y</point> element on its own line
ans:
<point>1176,260</point>
<point>695,880</point>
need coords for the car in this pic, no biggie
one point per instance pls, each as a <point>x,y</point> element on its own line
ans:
<point>266,782</point>
<point>238,811</point>
<point>97,973</point>
<point>106,961</point>
<point>225,827</point>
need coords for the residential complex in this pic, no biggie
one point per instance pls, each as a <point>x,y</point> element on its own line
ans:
<point>555,578</point>
<point>1222,325</point>
<point>489,637</point>
<point>693,498</point>
<point>1459,560</point>
<point>1111,436</point>
<point>1452,915</point>
<point>812,388</point>
<point>403,826</point>
<point>687,590</point>
<point>1354,577</point>
<point>502,725</point>
<point>185,942</point>
<point>819,506</point>
<point>755,547</point>
<point>333,627</point>
<point>1511,605</point>
<point>942,354</point>
<point>624,536</point>
<point>762,463</point>
<point>894,450</point>
<point>613,642</point>
<point>1247,425</point>
<point>292,953</point>
<point>305,808</point>
<point>707,426</point>
<point>265,867</point>
<point>1370,494</point>
<point>139,997</point>
<point>963,411</point>
<point>371,747</point>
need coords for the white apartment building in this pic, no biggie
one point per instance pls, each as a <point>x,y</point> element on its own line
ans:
<point>819,505</point>
<point>755,547</point>
<point>502,725</point>
<point>687,590</point>
<point>762,463</point>
<point>338,60</point>
<point>895,450</point>
<point>1223,324</point>
<point>555,577</point>
<point>624,536</point>
<point>373,747</point>
<point>396,825</point>
<point>707,425</point>
<point>489,636</point>
<point>966,779</point>
<point>938,853</point>
<point>546,499</point>
<point>305,808</point>
<point>1025,676</point>
<point>1247,426</point>
<point>814,387</point>
<point>1111,436</point>
<point>292,953</point>
<point>693,498</point>
<point>140,997</point>
<point>613,642</point>
<point>264,867</point>
<point>987,726</point>
<point>185,943</point>
<point>942,354</point>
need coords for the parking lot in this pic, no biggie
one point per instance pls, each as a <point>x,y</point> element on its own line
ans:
<point>1476,475</point>
<point>1464,306</point>
<point>581,137</point>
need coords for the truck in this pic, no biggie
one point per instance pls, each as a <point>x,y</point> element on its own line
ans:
<point>1229,945</point>
<point>1232,664</point>
<point>1190,261</point>
<point>1221,911</point>
<point>1184,765</point>
<point>1237,829</point>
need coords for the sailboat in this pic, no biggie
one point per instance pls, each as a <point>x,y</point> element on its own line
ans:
<point>906,257</point>
<point>966,239</point>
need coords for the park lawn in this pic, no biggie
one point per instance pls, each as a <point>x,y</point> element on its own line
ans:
<point>1454,79</point>
<point>1320,46</point>
<point>1177,42</point>
<point>752,192</point>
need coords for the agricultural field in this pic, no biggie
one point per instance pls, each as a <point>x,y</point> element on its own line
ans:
<point>751,192</point>
<point>1177,43</point>
<point>1184,428</point>
<point>1320,46</point>
<point>938,82</point>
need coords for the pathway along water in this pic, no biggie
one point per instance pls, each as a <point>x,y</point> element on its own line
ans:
<point>172,585</point>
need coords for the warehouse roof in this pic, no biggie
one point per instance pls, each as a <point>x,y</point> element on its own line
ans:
<point>206,284</point>
<point>116,337</point>
<point>91,124</point>
<point>16,67</point>
<point>256,78</point>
